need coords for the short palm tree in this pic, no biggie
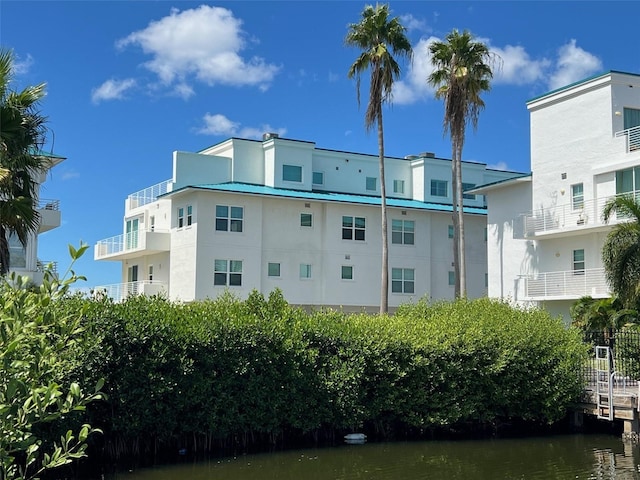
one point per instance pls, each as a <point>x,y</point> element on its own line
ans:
<point>621,249</point>
<point>462,73</point>
<point>380,38</point>
<point>22,134</point>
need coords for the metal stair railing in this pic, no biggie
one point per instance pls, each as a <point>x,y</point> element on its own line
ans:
<point>604,383</point>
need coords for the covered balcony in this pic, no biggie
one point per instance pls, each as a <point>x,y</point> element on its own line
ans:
<point>566,220</point>
<point>566,285</point>
<point>119,292</point>
<point>133,244</point>
<point>49,212</point>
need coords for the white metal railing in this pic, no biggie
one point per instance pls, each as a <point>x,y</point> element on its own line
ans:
<point>119,292</point>
<point>587,214</point>
<point>124,242</point>
<point>148,195</point>
<point>567,284</point>
<point>41,265</point>
<point>632,138</point>
<point>48,204</point>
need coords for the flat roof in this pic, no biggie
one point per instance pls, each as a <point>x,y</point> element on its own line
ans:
<point>526,177</point>
<point>251,189</point>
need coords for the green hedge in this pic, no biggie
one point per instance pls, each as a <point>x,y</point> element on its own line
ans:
<point>229,371</point>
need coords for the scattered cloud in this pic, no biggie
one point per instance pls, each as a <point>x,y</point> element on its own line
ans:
<point>334,77</point>
<point>513,66</point>
<point>21,66</point>
<point>412,23</point>
<point>499,166</point>
<point>202,44</point>
<point>220,125</point>
<point>112,90</point>
<point>573,64</point>
<point>70,174</point>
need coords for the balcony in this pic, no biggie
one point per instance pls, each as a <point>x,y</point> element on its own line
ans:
<point>567,285</point>
<point>632,138</point>
<point>119,292</point>
<point>49,212</point>
<point>148,195</point>
<point>133,244</point>
<point>563,220</point>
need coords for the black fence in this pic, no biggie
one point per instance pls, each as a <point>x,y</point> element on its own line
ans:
<point>625,355</point>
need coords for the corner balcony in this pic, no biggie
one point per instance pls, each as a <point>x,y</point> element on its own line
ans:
<point>148,195</point>
<point>49,213</point>
<point>132,245</point>
<point>631,137</point>
<point>566,285</point>
<point>119,292</point>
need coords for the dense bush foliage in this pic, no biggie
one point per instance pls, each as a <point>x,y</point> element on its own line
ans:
<point>39,346</point>
<point>236,372</point>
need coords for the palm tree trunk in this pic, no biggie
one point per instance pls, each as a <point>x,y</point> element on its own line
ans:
<point>4,252</point>
<point>461,255</point>
<point>455,219</point>
<point>384,279</point>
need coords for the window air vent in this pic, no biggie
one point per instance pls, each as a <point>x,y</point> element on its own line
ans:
<point>307,205</point>
<point>403,212</point>
<point>347,257</point>
<point>564,176</point>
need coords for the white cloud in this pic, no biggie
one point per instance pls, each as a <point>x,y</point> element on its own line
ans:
<point>218,124</point>
<point>499,166</point>
<point>412,23</point>
<point>515,66</point>
<point>202,43</point>
<point>22,66</point>
<point>112,90</point>
<point>414,86</point>
<point>573,64</point>
<point>69,174</point>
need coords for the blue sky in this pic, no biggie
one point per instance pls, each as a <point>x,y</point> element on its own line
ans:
<point>129,82</point>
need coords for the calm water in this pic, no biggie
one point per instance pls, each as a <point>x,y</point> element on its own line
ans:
<point>561,457</point>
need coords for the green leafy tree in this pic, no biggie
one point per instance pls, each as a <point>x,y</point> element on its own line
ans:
<point>38,346</point>
<point>380,38</point>
<point>462,73</point>
<point>22,134</point>
<point>621,249</point>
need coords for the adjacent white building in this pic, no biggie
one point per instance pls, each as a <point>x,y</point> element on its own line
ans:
<point>280,213</point>
<point>23,259</point>
<point>545,229</point>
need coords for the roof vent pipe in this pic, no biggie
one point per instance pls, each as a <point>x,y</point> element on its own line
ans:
<point>269,136</point>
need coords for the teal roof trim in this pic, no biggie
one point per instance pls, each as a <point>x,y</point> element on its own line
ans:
<point>328,197</point>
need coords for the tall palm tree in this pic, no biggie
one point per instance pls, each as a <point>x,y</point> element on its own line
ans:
<point>22,134</point>
<point>380,38</point>
<point>621,249</point>
<point>462,72</point>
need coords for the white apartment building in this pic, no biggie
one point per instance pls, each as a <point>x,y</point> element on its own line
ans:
<point>24,259</point>
<point>280,213</point>
<point>545,229</point>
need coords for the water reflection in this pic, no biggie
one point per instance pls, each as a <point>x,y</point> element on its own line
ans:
<point>562,457</point>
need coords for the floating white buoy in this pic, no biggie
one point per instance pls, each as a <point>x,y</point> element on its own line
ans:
<point>355,438</point>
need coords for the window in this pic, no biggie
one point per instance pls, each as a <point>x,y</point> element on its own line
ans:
<point>150,273</point>
<point>452,278</point>
<point>439,188</point>
<point>189,215</point>
<point>353,228</point>
<point>292,173</point>
<point>402,232</point>
<point>578,262</point>
<point>305,271</point>
<point>318,178</point>
<point>229,219</point>
<point>465,187</point>
<point>398,186</point>
<point>486,234</point>
<point>450,231</point>
<point>152,223</point>
<point>372,183</point>
<point>273,269</point>
<point>131,235</point>
<point>628,181</point>
<point>486,280</point>
<point>631,117</point>
<point>227,273</point>
<point>17,252</point>
<point>180,217</point>
<point>306,220</point>
<point>347,272</point>
<point>402,280</point>
<point>577,196</point>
